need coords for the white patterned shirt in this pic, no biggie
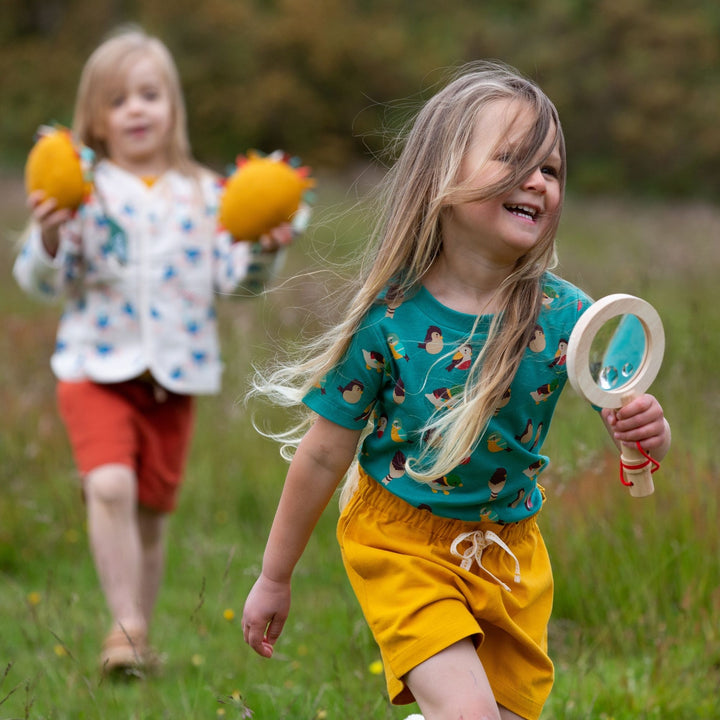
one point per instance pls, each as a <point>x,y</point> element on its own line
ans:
<point>138,268</point>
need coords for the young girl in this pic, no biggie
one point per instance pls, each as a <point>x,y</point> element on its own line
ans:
<point>137,267</point>
<point>445,368</point>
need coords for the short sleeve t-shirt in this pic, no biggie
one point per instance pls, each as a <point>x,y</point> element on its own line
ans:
<point>409,359</point>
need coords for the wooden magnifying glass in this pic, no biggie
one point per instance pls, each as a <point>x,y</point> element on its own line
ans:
<point>614,353</point>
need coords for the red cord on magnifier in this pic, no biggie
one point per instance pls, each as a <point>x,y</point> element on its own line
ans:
<point>614,353</point>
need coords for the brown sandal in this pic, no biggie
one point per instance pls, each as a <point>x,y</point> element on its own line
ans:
<point>123,651</point>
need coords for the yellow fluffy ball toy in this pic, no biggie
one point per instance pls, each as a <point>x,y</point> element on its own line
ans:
<point>262,193</point>
<point>60,166</point>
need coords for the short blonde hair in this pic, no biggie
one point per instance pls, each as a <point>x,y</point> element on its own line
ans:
<point>105,68</point>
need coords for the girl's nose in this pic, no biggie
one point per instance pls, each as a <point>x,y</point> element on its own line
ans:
<point>134,103</point>
<point>535,181</point>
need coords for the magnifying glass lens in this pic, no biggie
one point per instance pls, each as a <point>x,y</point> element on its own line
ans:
<point>608,377</point>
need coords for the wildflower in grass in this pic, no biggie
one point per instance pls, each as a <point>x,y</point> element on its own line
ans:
<point>321,715</point>
<point>229,614</point>
<point>34,598</point>
<point>197,660</point>
<point>237,701</point>
<point>376,667</point>
<point>60,650</point>
<point>72,536</point>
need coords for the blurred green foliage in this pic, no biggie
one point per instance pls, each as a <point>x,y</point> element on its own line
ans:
<point>637,82</point>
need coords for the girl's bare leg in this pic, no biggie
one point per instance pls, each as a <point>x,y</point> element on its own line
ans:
<point>152,540</point>
<point>453,684</point>
<point>111,498</point>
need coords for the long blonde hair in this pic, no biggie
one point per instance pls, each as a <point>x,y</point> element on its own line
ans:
<point>420,186</point>
<point>106,68</point>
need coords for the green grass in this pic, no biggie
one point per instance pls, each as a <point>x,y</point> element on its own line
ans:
<point>636,626</point>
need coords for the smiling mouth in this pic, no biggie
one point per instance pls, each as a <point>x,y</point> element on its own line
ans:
<point>523,211</point>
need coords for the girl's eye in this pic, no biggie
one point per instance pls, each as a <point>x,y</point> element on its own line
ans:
<point>151,94</point>
<point>117,101</point>
<point>550,170</point>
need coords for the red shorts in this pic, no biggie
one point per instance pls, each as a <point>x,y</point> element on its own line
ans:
<point>126,423</point>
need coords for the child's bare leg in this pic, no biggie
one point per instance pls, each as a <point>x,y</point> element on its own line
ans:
<point>453,684</point>
<point>506,714</point>
<point>152,539</point>
<point>111,497</point>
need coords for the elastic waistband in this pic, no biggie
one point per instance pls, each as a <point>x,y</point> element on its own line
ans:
<point>372,493</point>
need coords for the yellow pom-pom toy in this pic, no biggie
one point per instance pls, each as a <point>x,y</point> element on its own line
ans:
<point>262,193</point>
<point>60,166</point>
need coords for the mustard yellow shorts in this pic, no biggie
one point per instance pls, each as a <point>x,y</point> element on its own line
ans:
<point>405,566</point>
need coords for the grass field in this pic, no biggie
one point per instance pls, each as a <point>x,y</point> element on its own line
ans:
<point>636,627</point>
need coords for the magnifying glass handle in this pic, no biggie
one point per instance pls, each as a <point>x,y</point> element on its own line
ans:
<point>637,470</point>
<point>636,467</point>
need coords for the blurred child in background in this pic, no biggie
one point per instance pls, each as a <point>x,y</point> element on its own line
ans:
<point>137,267</point>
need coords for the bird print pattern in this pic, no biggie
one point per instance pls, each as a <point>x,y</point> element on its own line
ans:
<point>409,360</point>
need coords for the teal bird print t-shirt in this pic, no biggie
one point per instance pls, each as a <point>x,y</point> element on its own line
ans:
<point>409,359</point>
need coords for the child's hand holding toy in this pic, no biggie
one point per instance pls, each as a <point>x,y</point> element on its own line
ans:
<point>58,176</point>
<point>266,199</point>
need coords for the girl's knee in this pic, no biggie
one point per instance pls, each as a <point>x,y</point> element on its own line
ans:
<point>453,684</point>
<point>111,484</point>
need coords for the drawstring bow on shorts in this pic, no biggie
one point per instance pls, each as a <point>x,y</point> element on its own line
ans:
<point>479,540</point>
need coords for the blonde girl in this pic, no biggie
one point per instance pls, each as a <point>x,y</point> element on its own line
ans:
<point>137,267</point>
<point>440,384</point>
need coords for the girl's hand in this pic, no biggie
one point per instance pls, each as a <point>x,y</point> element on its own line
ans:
<point>278,237</point>
<point>49,219</point>
<point>264,615</point>
<point>641,420</point>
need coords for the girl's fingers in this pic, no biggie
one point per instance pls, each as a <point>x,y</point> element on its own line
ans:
<point>35,198</point>
<point>273,631</point>
<point>257,638</point>
<point>278,237</point>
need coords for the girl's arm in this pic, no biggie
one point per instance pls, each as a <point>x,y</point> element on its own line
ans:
<point>42,267</point>
<point>641,420</point>
<point>247,268</point>
<point>321,460</point>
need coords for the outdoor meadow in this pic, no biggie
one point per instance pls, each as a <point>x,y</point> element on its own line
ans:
<point>635,633</point>
<point>636,628</point>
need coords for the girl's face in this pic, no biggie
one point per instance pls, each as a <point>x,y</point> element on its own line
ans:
<point>504,228</point>
<point>138,123</point>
